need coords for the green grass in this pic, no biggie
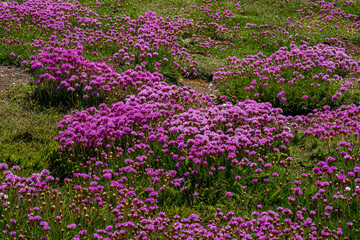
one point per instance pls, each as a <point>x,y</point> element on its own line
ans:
<point>26,130</point>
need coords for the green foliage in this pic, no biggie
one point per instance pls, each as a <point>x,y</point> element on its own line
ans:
<point>26,129</point>
<point>171,76</point>
<point>206,67</point>
<point>318,97</point>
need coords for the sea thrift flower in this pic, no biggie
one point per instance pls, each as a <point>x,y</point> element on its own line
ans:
<point>71,226</point>
<point>229,194</point>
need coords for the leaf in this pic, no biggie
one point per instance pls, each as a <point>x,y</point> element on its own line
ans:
<point>277,192</point>
<point>186,159</point>
<point>260,175</point>
<point>172,191</point>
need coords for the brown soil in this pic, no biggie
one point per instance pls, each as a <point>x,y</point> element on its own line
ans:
<point>203,38</point>
<point>350,48</point>
<point>200,86</point>
<point>11,75</point>
<point>199,52</point>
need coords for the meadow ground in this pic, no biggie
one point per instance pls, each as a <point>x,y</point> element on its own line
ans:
<point>179,119</point>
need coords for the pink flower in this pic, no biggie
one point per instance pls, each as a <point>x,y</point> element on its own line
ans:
<point>71,226</point>
<point>229,194</point>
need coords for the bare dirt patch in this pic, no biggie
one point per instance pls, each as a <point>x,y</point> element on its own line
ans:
<point>199,52</point>
<point>12,75</point>
<point>203,38</point>
<point>200,86</point>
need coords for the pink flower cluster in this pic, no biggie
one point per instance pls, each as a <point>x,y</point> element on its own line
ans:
<point>67,70</point>
<point>309,68</point>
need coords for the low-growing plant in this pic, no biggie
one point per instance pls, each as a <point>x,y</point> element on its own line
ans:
<point>299,80</point>
<point>140,159</point>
